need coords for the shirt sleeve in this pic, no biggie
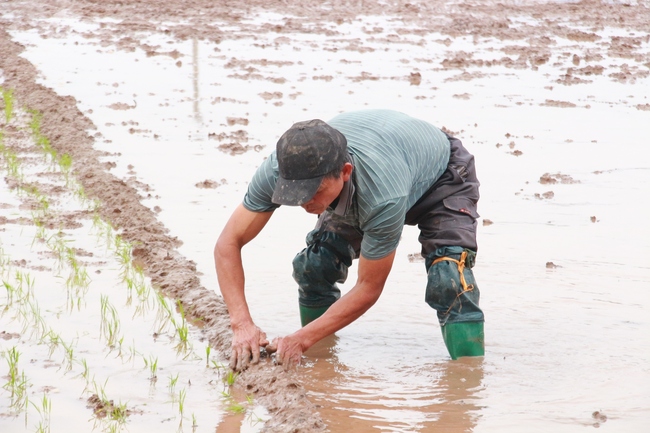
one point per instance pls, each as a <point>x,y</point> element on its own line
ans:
<point>260,190</point>
<point>383,229</point>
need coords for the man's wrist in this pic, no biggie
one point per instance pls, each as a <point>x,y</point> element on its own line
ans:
<point>240,322</point>
<point>304,338</point>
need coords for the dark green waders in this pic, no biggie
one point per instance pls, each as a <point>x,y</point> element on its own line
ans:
<point>452,291</point>
<point>317,269</point>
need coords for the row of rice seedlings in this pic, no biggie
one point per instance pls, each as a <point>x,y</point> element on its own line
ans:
<point>131,275</point>
<point>78,278</point>
<point>21,290</point>
<point>64,162</point>
<point>17,383</point>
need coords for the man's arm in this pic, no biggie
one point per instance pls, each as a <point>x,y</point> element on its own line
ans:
<point>240,229</point>
<point>372,276</point>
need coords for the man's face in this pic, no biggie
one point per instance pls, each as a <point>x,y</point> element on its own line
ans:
<point>329,189</point>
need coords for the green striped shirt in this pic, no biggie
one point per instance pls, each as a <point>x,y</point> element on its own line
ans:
<point>396,159</point>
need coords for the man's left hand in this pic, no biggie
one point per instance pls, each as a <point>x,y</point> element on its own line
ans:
<point>289,350</point>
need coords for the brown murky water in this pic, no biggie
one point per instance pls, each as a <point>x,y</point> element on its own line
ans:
<point>181,102</point>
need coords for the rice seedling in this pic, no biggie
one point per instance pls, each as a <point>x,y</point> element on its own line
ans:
<point>42,141</point>
<point>31,313</point>
<point>252,417</point>
<point>152,364</point>
<point>4,260</point>
<point>85,373</point>
<point>53,341</point>
<point>182,329</point>
<point>172,383</point>
<point>110,323</point>
<point>181,402</point>
<point>65,164</point>
<point>11,290</point>
<point>232,405</point>
<point>8,97</point>
<point>230,377</point>
<point>12,165</point>
<point>69,354</point>
<point>45,411</point>
<point>16,381</point>
<point>218,365</point>
<point>12,356</point>
<point>207,356</point>
<point>104,408</point>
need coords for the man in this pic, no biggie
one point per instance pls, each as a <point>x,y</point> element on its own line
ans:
<point>365,174</point>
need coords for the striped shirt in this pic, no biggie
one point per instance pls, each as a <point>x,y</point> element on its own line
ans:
<point>396,159</point>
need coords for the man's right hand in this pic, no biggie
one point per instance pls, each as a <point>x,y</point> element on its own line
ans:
<point>246,343</point>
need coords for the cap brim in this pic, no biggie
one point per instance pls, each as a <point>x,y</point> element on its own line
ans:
<point>295,192</point>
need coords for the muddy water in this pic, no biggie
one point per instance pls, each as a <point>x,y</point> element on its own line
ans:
<point>564,169</point>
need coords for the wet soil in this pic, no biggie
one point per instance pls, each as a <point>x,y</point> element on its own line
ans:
<point>125,24</point>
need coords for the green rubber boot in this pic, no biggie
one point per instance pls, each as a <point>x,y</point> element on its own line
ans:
<point>464,339</point>
<point>309,314</point>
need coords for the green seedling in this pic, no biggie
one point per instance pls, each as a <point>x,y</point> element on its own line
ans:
<point>12,356</point>
<point>181,402</point>
<point>207,356</point>
<point>69,355</point>
<point>45,411</point>
<point>218,365</point>
<point>152,363</point>
<point>16,381</point>
<point>12,164</point>
<point>8,97</point>
<point>11,290</point>
<point>110,324</point>
<point>65,164</point>
<point>232,405</point>
<point>172,383</point>
<point>182,329</point>
<point>53,341</point>
<point>78,275</point>
<point>230,378</point>
<point>42,141</point>
<point>85,373</point>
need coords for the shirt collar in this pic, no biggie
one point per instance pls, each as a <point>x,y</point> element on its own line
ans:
<point>345,199</point>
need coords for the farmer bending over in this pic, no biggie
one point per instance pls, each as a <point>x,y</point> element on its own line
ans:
<point>365,174</point>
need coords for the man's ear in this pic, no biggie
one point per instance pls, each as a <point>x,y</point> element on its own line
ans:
<point>346,172</point>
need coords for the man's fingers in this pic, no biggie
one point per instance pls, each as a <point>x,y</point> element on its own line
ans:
<point>233,360</point>
<point>256,356</point>
<point>243,359</point>
<point>271,348</point>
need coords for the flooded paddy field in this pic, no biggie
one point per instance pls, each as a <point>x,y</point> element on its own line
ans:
<point>129,132</point>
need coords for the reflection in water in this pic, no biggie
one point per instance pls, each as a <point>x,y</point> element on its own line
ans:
<point>428,397</point>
